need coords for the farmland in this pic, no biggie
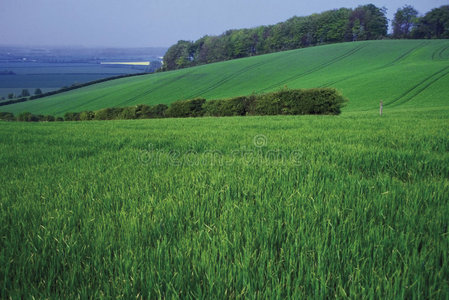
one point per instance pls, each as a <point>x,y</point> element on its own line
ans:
<point>354,205</point>
<point>53,68</point>
<point>349,206</point>
<point>53,76</point>
<point>406,72</point>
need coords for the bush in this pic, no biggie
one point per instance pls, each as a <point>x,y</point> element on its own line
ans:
<point>27,117</point>
<point>186,108</point>
<point>284,102</point>
<point>71,116</point>
<point>212,108</point>
<point>158,111</point>
<point>48,118</point>
<point>111,113</point>
<point>227,107</point>
<point>7,116</point>
<point>268,104</point>
<point>299,102</point>
<point>87,115</point>
<point>312,101</point>
<point>128,113</point>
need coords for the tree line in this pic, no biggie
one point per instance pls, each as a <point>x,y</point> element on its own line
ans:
<point>286,101</point>
<point>366,22</point>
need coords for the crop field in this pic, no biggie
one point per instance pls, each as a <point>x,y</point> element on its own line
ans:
<point>349,206</point>
<point>53,76</point>
<point>345,206</point>
<point>413,73</point>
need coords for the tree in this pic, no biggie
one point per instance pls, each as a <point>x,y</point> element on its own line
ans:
<point>10,96</point>
<point>368,22</point>
<point>178,56</point>
<point>434,25</point>
<point>25,93</point>
<point>405,19</point>
<point>37,92</point>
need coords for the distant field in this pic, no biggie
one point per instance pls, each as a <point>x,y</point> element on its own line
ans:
<point>401,73</point>
<point>354,206</point>
<point>53,76</point>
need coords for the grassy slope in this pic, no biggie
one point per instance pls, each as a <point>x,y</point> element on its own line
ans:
<point>398,72</point>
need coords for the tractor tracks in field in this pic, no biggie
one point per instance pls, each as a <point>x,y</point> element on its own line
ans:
<point>400,58</point>
<point>439,53</point>
<point>152,89</point>
<point>405,55</point>
<point>419,87</point>
<point>225,80</point>
<point>316,69</point>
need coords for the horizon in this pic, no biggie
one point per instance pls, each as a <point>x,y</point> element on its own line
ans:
<point>109,24</point>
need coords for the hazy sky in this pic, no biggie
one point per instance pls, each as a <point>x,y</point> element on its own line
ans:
<point>141,23</point>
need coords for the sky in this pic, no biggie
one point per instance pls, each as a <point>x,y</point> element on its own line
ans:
<point>155,23</point>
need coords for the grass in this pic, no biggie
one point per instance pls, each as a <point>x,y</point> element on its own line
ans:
<point>408,72</point>
<point>353,206</point>
<point>350,206</point>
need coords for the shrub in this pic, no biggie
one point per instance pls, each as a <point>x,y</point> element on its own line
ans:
<point>148,112</point>
<point>158,111</point>
<point>27,117</point>
<point>227,107</point>
<point>71,116</point>
<point>111,113</point>
<point>212,108</point>
<point>268,104</point>
<point>186,108</point>
<point>87,115</point>
<point>48,118</point>
<point>312,101</point>
<point>7,116</point>
<point>128,113</point>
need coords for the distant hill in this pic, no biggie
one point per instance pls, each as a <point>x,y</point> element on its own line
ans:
<point>366,22</point>
<point>399,72</point>
<point>76,54</point>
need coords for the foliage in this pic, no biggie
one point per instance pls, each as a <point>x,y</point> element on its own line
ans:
<point>404,22</point>
<point>25,93</point>
<point>7,116</point>
<point>185,108</point>
<point>72,116</point>
<point>87,115</point>
<point>287,102</point>
<point>366,22</point>
<point>226,107</point>
<point>434,25</point>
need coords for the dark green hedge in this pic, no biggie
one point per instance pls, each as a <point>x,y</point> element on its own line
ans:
<point>186,108</point>
<point>321,101</point>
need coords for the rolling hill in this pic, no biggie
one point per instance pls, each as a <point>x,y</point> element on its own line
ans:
<point>405,73</point>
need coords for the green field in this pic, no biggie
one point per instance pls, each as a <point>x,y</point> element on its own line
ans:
<point>350,206</point>
<point>411,73</point>
<point>268,207</point>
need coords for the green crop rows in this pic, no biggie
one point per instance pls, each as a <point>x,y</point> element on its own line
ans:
<point>407,72</point>
<point>256,207</point>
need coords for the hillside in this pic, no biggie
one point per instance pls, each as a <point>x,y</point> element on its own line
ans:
<point>401,73</point>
